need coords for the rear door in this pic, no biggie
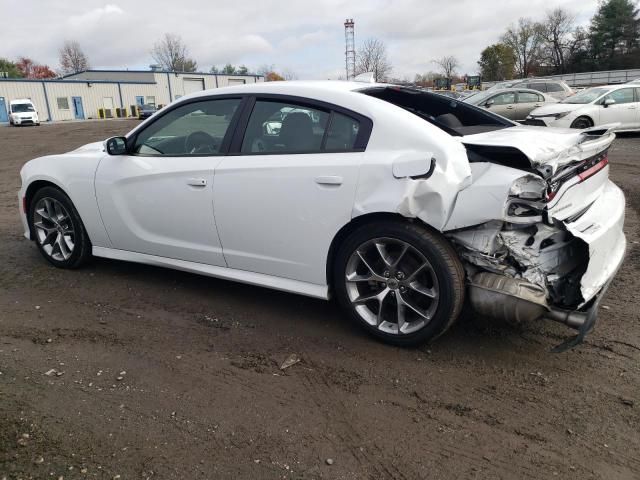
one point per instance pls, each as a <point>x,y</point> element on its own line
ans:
<point>288,186</point>
<point>623,111</point>
<point>526,102</point>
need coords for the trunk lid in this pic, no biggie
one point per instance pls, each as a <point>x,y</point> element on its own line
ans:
<point>573,162</point>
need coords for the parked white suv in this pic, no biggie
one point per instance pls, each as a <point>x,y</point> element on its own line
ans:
<point>23,112</point>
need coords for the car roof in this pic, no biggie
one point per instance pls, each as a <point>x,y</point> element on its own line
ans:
<point>288,88</point>
<point>20,100</point>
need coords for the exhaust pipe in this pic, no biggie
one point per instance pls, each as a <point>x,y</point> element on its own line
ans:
<point>509,299</point>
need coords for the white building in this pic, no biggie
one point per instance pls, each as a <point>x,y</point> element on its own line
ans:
<point>108,93</point>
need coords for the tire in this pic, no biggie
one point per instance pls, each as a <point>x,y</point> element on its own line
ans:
<point>57,229</point>
<point>582,123</point>
<point>424,290</point>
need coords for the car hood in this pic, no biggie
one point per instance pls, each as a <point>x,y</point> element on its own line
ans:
<point>545,148</point>
<point>90,147</point>
<point>553,108</point>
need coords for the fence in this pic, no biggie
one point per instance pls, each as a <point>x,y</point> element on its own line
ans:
<point>589,79</point>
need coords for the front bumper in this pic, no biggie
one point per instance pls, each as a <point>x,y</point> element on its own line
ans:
<point>25,121</point>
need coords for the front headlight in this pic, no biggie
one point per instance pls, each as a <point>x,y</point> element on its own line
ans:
<point>562,114</point>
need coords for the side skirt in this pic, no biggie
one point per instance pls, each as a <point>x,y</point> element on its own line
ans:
<point>258,279</point>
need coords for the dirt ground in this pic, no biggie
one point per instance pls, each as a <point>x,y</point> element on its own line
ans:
<point>168,375</point>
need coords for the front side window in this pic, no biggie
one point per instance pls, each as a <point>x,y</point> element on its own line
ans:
<point>504,99</point>
<point>529,97</point>
<point>196,128</point>
<point>277,127</point>
<point>624,95</point>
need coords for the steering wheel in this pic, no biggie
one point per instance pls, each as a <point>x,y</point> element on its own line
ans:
<point>200,142</point>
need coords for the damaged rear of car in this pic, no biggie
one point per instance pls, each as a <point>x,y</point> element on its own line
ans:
<point>539,228</point>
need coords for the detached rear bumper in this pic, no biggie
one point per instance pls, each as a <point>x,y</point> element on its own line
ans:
<point>601,228</point>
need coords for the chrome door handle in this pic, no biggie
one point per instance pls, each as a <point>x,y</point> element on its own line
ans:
<point>329,180</point>
<point>510,107</point>
<point>197,182</point>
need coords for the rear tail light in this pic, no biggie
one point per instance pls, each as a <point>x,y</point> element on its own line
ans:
<point>24,205</point>
<point>585,170</point>
<point>595,169</point>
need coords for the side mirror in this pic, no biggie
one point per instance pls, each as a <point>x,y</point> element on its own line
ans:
<point>608,101</point>
<point>116,146</point>
<point>488,103</point>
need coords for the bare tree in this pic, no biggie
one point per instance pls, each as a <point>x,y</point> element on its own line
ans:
<point>172,54</point>
<point>525,39</point>
<point>448,65</point>
<point>556,31</point>
<point>372,57</point>
<point>72,58</point>
<point>289,74</point>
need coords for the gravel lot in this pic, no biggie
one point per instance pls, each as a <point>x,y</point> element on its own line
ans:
<point>169,375</point>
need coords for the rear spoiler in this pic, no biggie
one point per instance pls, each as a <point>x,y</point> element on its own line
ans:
<point>600,130</point>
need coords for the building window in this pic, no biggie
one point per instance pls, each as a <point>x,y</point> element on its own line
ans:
<point>151,101</point>
<point>63,103</point>
<point>237,81</point>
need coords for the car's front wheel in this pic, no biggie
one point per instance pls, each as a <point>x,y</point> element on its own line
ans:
<point>57,229</point>
<point>581,123</point>
<point>399,281</point>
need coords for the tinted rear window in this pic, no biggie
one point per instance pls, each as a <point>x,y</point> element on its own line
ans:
<point>453,116</point>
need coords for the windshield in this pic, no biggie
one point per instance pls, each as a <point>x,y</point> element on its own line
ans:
<point>478,98</point>
<point>22,108</point>
<point>147,107</point>
<point>586,96</point>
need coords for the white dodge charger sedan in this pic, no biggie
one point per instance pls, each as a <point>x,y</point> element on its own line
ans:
<point>399,203</point>
<point>608,105</point>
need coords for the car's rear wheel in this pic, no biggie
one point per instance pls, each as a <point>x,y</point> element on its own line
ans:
<point>399,281</point>
<point>582,123</point>
<point>57,229</point>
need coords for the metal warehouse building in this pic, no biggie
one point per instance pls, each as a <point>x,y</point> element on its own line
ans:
<point>108,93</point>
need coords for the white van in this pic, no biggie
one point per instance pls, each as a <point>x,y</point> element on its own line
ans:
<point>23,112</point>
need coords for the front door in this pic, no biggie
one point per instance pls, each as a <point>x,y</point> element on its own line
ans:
<point>504,104</point>
<point>623,111</point>
<point>158,199</point>
<point>282,197</point>
<point>3,111</point>
<point>78,111</point>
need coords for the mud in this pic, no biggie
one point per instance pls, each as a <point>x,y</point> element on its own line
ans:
<point>202,394</point>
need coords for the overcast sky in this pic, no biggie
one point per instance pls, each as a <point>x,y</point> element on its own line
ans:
<point>304,36</point>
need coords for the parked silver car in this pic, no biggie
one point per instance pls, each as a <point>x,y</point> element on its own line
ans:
<point>512,103</point>
<point>554,88</point>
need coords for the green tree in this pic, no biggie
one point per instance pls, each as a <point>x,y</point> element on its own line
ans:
<point>497,62</point>
<point>228,69</point>
<point>10,68</point>
<point>242,70</point>
<point>614,32</point>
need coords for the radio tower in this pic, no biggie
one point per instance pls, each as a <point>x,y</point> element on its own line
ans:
<point>350,48</point>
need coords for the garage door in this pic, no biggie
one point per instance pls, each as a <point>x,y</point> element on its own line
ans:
<point>193,85</point>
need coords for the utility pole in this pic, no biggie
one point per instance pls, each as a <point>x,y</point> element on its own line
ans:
<point>350,48</point>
